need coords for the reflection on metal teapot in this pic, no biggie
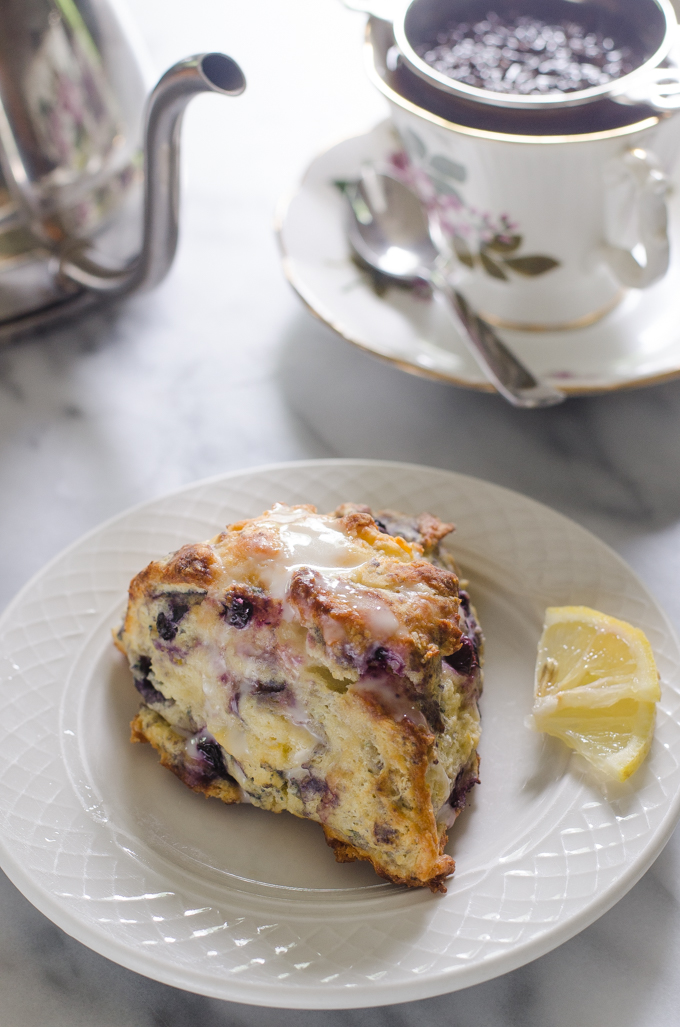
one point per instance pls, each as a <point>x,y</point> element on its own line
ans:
<point>81,164</point>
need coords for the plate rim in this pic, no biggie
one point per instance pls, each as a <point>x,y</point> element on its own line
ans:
<point>274,995</point>
<point>320,311</point>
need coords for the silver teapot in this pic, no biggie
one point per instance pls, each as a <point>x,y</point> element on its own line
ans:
<point>89,177</point>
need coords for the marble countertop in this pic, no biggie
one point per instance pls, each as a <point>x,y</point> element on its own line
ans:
<point>221,368</point>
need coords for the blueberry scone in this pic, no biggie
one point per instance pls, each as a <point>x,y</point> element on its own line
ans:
<point>323,664</point>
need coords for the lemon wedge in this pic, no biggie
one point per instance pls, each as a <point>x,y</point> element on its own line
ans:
<point>596,688</point>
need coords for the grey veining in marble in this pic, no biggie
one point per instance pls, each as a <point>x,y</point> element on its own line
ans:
<point>220,369</point>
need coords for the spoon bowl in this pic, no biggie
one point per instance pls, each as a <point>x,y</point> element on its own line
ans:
<point>389,230</point>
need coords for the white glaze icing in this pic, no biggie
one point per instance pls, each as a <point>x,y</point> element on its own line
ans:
<point>310,541</point>
<point>215,693</point>
<point>307,540</point>
<point>301,757</point>
<point>396,705</point>
<point>292,711</point>
<point>439,784</point>
<point>232,736</point>
<point>437,777</point>
<point>447,815</point>
<point>191,750</point>
<point>300,717</point>
<point>378,616</point>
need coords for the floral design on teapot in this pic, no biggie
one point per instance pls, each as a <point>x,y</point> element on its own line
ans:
<point>478,239</point>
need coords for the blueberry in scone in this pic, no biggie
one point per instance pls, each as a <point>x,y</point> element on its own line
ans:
<point>324,664</point>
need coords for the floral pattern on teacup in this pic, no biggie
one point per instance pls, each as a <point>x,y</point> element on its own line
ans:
<point>476,237</point>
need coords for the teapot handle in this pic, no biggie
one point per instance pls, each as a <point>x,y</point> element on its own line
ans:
<point>651,187</point>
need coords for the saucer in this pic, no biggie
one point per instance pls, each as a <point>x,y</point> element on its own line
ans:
<point>637,344</point>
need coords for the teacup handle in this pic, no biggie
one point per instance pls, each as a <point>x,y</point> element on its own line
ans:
<point>651,186</point>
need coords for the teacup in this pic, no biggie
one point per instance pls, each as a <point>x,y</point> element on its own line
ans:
<point>552,215</point>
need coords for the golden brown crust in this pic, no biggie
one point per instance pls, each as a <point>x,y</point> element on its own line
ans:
<point>346,853</point>
<point>432,530</point>
<point>191,565</point>
<point>426,530</point>
<point>339,624</point>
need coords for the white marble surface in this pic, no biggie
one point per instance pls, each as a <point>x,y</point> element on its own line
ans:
<point>221,368</point>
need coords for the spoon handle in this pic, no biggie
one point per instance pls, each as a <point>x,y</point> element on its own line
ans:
<point>512,379</point>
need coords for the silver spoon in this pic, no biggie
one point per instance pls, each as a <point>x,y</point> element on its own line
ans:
<point>389,231</point>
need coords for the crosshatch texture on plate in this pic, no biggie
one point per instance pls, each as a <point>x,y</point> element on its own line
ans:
<point>564,854</point>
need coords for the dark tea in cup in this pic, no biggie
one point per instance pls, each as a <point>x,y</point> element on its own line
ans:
<point>542,54</point>
<point>511,52</point>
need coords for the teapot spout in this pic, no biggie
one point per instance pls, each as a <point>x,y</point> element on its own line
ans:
<point>212,72</point>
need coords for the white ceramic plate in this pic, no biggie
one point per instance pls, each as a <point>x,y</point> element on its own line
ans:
<point>637,344</point>
<point>240,904</point>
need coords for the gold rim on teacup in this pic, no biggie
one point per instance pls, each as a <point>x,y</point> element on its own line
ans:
<point>373,64</point>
